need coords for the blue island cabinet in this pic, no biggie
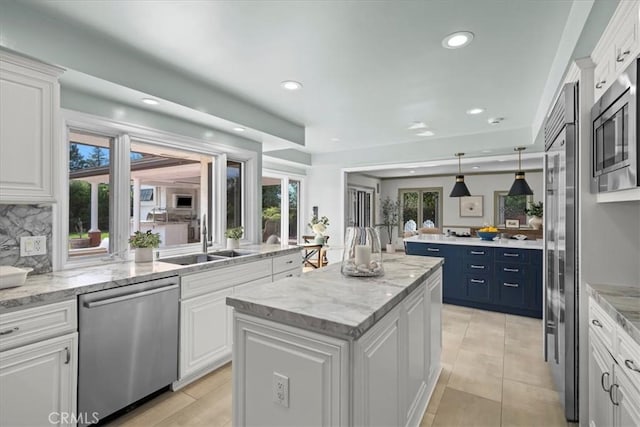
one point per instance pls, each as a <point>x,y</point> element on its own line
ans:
<point>504,279</point>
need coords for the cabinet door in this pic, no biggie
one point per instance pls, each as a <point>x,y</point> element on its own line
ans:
<point>28,106</point>
<point>205,331</point>
<point>627,398</point>
<point>418,352</point>
<point>435,310</point>
<point>600,381</point>
<point>38,383</point>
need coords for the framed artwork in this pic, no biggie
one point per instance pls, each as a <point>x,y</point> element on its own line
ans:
<point>512,223</point>
<point>471,206</point>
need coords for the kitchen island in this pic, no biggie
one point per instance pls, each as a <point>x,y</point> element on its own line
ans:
<point>502,275</point>
<point>326,349</point>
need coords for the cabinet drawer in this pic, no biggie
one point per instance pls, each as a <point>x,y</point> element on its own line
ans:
<point>601,324</point>
<point>287,262</point>
<point>511,255</point>
<point>38,323</point>
<point>510,271</point>
<point>477,253</point>
<point>629,357</point>
<point>512,292</point>
<point>221,278</point>
<point>477,266</point>
<point>295,272</point>
<point>478,287</point>
<point>429,249</point>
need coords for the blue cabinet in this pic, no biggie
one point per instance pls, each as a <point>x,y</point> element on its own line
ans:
<point>492,278</point>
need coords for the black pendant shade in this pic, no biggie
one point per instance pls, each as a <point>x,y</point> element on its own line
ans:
<point>460,188</point>
<point>520,186</point>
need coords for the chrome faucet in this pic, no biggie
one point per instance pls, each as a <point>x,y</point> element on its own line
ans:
<point>203,225</point>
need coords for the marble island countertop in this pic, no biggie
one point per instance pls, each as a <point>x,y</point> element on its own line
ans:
<point>65,284</point>
<point>475,241</point>
<point>622,303</point>
<point>325,301</point>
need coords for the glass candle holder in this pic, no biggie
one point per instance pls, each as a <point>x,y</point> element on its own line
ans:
<point>362,256</point>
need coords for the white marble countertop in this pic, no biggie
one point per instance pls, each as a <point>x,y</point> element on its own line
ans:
<point>65,284</point>
<point>327,302</point>
<point>475,241</point>
<point>622,303</point>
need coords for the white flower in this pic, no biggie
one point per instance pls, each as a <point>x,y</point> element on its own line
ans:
<point>319,228</point>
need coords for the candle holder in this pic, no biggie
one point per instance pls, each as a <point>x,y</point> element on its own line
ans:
<point>362,256</point>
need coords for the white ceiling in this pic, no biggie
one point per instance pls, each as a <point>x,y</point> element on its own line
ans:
<point>369,68</point>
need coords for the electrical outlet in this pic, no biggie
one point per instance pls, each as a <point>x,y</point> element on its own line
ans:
<point>281,389</point>
<point>33,245</point>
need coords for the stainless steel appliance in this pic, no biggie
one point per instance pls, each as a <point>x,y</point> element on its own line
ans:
<point>615,147</point>
<point>560,313</point>
<point>128,344</point>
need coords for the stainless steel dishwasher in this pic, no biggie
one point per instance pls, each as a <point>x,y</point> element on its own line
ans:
<point>128,344</point>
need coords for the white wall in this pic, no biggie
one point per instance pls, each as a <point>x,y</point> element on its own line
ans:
<point>479,185</point>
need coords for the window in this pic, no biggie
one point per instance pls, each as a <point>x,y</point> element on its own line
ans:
<point>360,205</point>
<point>234,194</point>
<point>278,213</point>
<point>422,205</point>
<point>89,188</point>
<point>510,207</point>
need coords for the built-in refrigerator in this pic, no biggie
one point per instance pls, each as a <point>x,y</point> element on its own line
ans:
<point>561,247</point>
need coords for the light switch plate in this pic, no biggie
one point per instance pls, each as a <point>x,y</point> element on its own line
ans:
<point>33,245</point>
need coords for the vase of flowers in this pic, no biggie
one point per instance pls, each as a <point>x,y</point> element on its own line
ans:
<point>319,227</point>
<point>535,211</point>
<point>233,236</point>
<point>143,243</point>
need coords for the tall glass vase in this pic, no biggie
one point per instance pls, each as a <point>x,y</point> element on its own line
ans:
<point>362,254</point>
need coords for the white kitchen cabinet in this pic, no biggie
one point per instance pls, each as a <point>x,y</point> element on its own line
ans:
<point>617,47</point>
<point>614,382</point>
<point>434,287</point>
<point>38,383</point>
<point>418,353</point>
<point>29,130</point>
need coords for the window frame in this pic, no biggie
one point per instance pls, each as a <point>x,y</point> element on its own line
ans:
<point>284,208</point>
<point>419,190</point>
<point>496,205</point>
<point>122,134</point>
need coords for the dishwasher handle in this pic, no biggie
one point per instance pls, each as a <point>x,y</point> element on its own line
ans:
<point>99,303</point>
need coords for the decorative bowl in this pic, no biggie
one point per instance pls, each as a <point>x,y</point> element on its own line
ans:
<point>486,235</point>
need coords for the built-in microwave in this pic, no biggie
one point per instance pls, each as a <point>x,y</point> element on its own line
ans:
<point>614,147</point>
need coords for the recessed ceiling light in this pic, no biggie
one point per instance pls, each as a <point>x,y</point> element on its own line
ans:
<point>150,101</point>
<point>457,40</point>
<point>238,129</point>
<point>486,151</point>
<point>335,139</point>
<point>474,111</point>
<point>475,167</point>
<point>412,171</point>
<point>417,126</point>
<point>208,134</point>
<point>291,85</point>
<point>425,133</point>
<point>495,120</point>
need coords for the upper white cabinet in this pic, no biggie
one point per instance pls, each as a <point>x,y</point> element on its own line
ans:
<point>617,47</point>
<point>29,105</point>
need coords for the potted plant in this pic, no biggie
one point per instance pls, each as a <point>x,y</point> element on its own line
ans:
<point>143,243</point>
<point>535,211</point>
<point>319,226</point>
<point>389,215</point>
<point>233,236</point>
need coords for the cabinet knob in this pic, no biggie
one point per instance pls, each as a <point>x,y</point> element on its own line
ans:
<point>602,381</point>
<point>481,267</point>
<point>600,84</point>
<point>620,58</point>
<point>10,331</point>
<point>476,281</point>
<point>68,358</point>
<point>597,323</point>
<point>611,394</point>
<point>631,365</point>
<point>510,285</point>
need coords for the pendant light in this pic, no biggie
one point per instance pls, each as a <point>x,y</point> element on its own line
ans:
<point>520,186</point>
<point>460,189</point>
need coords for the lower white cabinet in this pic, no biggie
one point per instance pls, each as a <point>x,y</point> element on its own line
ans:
<point>38,383</point>
<point>434,289</point>
<point>614,384</point>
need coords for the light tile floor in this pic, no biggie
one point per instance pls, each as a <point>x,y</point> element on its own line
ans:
<point>493,375</point>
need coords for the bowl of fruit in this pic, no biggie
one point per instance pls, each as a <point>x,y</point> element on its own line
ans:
<point>487,233</point>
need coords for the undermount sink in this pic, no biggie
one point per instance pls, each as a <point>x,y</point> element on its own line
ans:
<point>192,259</point>
<point>232,253</point>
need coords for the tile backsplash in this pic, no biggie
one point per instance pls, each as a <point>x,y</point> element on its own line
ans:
<point>25,220</point>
